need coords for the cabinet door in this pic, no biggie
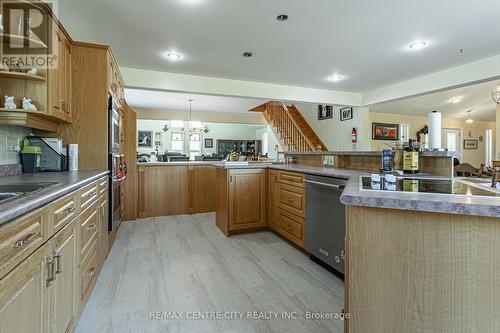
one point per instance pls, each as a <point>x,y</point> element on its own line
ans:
<point>62,282</point>
<point>22,295</point>
<point>103,235</point>
<point>65,79</point>
<point>273,200</point>
<point>54,78</point>
<point>247,191</point>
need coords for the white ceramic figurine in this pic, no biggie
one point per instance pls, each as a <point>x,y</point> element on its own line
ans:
<point>10,102</point>
<point>32,72</point>
<point>27,105</point>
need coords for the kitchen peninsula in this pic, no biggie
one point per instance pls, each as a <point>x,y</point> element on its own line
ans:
<point>434,248</point>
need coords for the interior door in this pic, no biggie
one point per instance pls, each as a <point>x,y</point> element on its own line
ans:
<point>451,139</point>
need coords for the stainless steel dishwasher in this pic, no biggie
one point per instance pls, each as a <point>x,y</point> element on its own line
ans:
<point>325,220</point>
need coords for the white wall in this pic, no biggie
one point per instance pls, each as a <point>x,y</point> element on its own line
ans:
<point>217,131</point>
<point>336,134</point>
<point>478,128</point>
<point>273,145</point>
<point>497,155</point>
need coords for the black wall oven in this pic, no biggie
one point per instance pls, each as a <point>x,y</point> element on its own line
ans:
<point>116,166</point>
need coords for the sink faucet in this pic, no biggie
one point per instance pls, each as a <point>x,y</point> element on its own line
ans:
<point>496,177</point>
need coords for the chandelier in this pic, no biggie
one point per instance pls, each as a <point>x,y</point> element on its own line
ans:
<point>496,94</point>
<point>195,126</point>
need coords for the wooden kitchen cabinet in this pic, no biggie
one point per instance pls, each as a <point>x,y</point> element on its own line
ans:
<point>273,200</point>
<point>60,78</point>
<point>22,296</point>
<point>201,189</point>
<point>241,200</point>
<point>163,190</point>
<point>247,193</point>
<point>61,279</point>
<point>103,232</point>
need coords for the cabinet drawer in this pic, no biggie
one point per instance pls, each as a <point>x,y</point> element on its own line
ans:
<point>292,199</point>
<point>291,178</point>
<point>88,275</point>
<point>88,194</point>
<point>292,227</point>
<point>89,223</point>
<point>103,185</point>
<point>62,211</point>
<point>20,238</point>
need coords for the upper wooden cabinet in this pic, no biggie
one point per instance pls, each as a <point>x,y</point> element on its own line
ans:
<point>59,78</point>
<point>115,81</point>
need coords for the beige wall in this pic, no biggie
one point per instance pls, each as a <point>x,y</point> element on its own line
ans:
<point>213,117</point>
<point>476,129</point>
<point>336,134</point>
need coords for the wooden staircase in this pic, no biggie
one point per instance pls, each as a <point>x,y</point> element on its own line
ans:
<point>290,127</point>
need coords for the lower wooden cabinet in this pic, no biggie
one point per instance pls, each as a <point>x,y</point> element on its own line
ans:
<point>22,295</point>
<point>61,279</point>
<point>241,200</point>
<point>273,200</point>
<point>49,278</point>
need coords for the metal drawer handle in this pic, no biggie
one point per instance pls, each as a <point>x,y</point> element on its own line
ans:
<point>24,241</point>
<point>90,195</point>
<point>338,187</point>
<point>68,211</point>
<point>91,272</point>
<point>91,227</point>
<point>57,259</point>
<point>50,271</point>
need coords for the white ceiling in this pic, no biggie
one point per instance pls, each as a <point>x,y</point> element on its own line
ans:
<point>163,100</point>
<point>365,40</point>
<point>476,98</point>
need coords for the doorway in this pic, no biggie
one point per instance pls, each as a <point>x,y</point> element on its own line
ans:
<point>451,139</point>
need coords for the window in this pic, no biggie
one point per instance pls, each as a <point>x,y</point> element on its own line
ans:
<point>194,145</point>
<point>177,124</point>
<point>178,141</point>
<point>489,147</point>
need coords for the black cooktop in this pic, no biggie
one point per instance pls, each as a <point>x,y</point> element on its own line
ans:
<point>422,185</point>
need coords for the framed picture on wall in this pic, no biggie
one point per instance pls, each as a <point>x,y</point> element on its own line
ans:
<point>470,144</point>
<point>325,112</point>
<point>144,139</point>
<point>346,113</point>
<point>209,143</point>
<point>382,131</point>
<point>158,136</point>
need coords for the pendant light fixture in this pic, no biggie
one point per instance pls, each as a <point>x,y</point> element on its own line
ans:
<point>469,119</point>
<point>496,94</point>
<point>191,126</point>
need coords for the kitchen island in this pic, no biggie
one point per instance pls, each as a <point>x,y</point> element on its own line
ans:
<point>414,262</point>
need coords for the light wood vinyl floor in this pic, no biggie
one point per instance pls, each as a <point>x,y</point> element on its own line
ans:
<point>185,264</point>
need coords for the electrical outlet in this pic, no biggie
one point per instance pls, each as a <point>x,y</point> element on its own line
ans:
<point>12,144</point>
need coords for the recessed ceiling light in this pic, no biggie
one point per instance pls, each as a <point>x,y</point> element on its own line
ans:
<point>335,78</point>
<point>173,56</point>
<point>456,100</point>
<point>282,17</point>
<point>248,54</point>
<point>418,45</point>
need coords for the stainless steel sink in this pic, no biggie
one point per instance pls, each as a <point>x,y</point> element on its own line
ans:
<point>9,192</point>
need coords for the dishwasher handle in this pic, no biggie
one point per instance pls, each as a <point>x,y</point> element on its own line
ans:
<point>338,187</point>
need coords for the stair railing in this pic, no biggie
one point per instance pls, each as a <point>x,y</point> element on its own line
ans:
<point>290,131</point>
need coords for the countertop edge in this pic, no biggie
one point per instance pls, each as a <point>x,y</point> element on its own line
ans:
<point>45,196</point>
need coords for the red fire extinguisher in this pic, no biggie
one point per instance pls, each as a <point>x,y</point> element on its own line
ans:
<point>354,135</point>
